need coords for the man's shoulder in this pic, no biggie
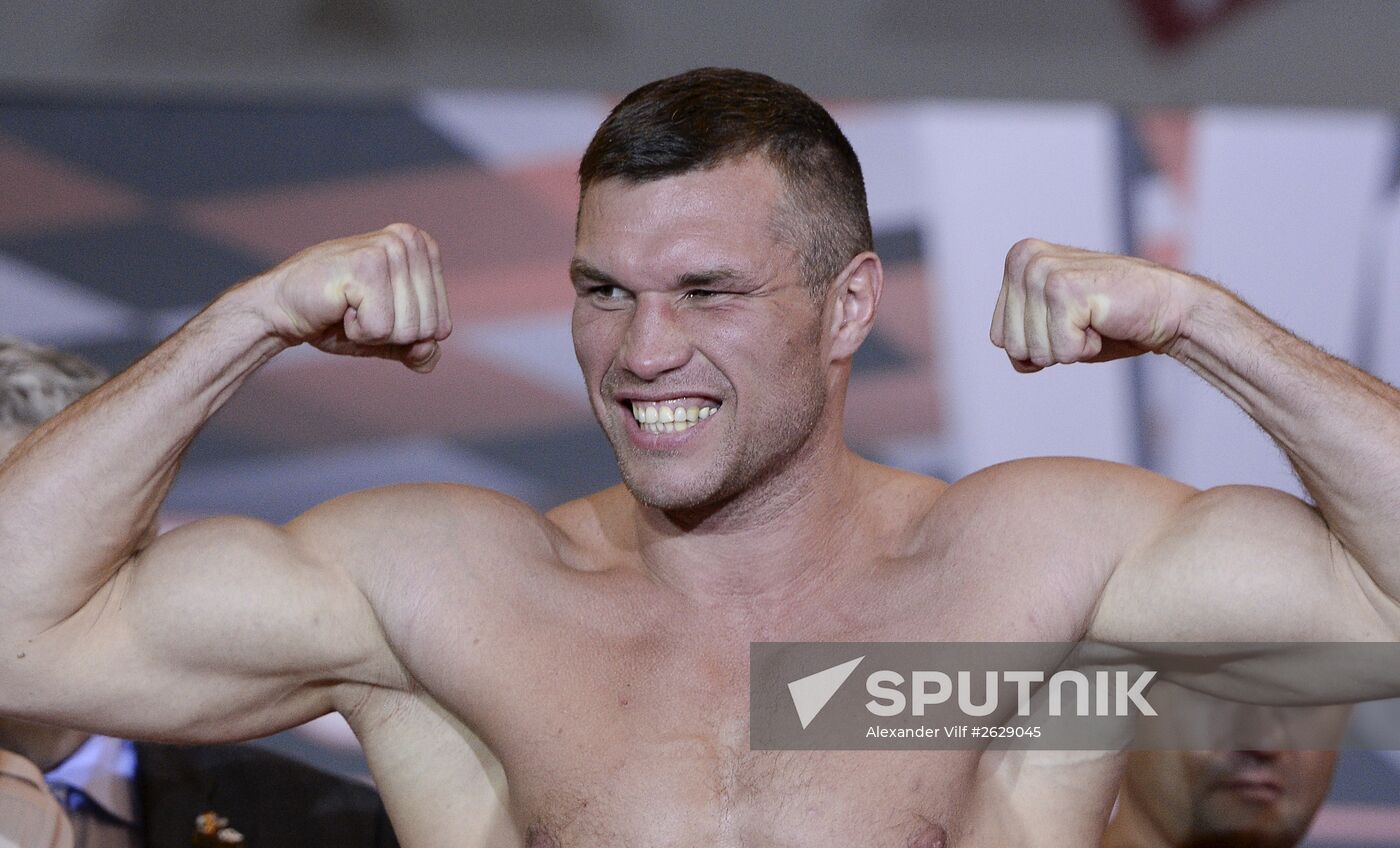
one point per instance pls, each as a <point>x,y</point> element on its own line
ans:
<point>1014,485</point>
<point>1057,476</point>
<point>433,501</point>
<point>416,517</point>
<point>1053,493</point>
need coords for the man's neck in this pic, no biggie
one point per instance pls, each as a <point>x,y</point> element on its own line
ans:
<point>1131,828</point>
<point>773,541</point>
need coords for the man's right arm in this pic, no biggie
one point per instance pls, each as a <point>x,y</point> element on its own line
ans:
<point>223,628</point>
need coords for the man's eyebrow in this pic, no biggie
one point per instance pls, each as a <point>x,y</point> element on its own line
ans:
<point>580,272</point>
<point>722,274</point>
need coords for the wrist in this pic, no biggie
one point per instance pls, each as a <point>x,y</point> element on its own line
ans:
<point>1204,307</point>
<point>249,311</point>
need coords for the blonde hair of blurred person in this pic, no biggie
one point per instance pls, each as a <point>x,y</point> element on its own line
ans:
<point>36,383</point>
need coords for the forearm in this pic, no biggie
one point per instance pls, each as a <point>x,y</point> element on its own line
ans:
<point>1339,426</point>
<point>78,494</point>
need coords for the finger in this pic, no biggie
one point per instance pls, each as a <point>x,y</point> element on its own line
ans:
<point>1010,273</point>
<point>1034,314</point>
<point>1093,345</point>
<point>420,356</point>
<point>1067,321</point>
<point>420,286</point>
<point>405,303</point>
<point>1013,325</point>
<point>444,327</point>
<point>1024,366</point>
<point>421,274</point>
<point>369,317</point>
<point>423,356</point>
<point>999,313</point>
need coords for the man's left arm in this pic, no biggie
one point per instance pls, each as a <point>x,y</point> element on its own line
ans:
<point>1237,563</point>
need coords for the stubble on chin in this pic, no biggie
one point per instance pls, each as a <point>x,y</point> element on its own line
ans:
<point>652,488</point>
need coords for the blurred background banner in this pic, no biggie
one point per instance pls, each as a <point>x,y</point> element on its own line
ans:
<point>122,216</point>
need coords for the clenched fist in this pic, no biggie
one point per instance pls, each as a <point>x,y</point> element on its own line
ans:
<point>378,294</point>
<point>1060,304</point>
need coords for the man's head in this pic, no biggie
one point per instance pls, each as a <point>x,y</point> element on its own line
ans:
<point>708,117</point>
<point>722,264</point>
<point>36,383</point>
<point>1246,799</point>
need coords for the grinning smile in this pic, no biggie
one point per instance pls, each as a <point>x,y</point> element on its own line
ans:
<point>674,415</point>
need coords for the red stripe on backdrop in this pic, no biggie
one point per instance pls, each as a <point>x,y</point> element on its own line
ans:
<point>477,216</point>
<point>1172,23</point>
<point>43,192</point>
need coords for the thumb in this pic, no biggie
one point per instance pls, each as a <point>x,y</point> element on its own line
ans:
<point>423,356</point>
<point>351,322</point>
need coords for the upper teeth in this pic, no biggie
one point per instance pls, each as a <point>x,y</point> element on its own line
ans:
<point>670,417</point>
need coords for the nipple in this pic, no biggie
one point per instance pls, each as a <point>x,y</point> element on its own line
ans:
<point>929,836</point>
<point>538,837</point>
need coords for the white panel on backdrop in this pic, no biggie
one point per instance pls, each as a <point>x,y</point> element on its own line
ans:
<point>1385,240</point>
<point>883,138</point>
<point>538,347</point>
<point>1282,202</point>
<point>42,307</point>
<point>512,129</point>
<point>280,487</point>
<point>993,174</point>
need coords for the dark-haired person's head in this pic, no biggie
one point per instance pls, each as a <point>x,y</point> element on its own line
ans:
<point>1220,799</point>
<point>1243,776</point>
<point>724,279</point>
<point>713,116</point>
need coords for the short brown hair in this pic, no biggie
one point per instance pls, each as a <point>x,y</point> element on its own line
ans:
<point>711,116</point>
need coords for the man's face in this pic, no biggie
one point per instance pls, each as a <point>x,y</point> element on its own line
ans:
<point>688,304</point>
<point>1263,799</point>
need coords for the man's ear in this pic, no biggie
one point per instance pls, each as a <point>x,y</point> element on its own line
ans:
<point>856,295</point>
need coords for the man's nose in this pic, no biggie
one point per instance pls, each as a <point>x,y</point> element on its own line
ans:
<point>655,343</point>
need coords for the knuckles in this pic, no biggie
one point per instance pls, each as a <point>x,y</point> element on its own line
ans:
<point>379,288</point>
<point>1059,284</point>
<point>1037,268</point>
<point>1023,251</point>
<point>404,233</point>
<point>370,265</point>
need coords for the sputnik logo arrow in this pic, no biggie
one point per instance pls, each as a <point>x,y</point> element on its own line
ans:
<point>810,693</point>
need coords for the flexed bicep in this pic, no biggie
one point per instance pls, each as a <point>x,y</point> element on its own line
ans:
<point>222,629</point>
<point>1243,563</point>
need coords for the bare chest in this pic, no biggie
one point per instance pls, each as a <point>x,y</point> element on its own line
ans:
<point>641,736</point>
<point>621,716</point>
<point>664,759</point>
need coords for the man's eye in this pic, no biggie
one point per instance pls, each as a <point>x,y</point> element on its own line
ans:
<point>701,294</point>
<point>608,294</point>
